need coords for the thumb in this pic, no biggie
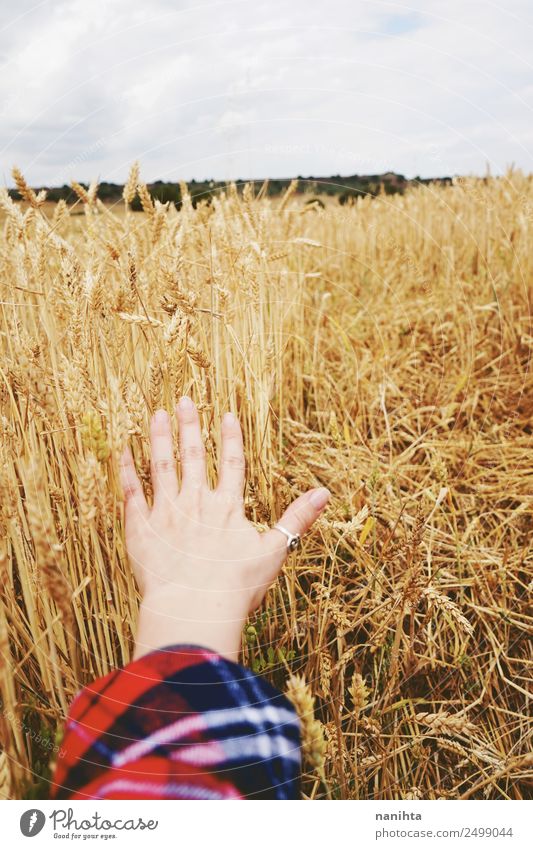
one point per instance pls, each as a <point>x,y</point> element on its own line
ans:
<point>298,517</point>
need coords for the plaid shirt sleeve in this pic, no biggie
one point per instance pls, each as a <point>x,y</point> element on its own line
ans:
<point>179,723</point>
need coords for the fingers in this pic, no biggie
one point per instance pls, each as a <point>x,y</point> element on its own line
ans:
<point>164,478</point>
<point>192,450</point>
<point>232,463</point>
<point>135,502</point>
<point>298,517</point>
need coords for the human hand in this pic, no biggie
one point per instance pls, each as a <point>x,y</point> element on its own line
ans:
<point>201,566</point>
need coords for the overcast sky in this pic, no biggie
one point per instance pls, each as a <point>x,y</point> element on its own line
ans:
<point>246,88</point>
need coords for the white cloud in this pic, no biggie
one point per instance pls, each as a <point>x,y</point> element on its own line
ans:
<point>243,88</point>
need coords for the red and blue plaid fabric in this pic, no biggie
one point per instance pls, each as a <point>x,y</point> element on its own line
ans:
<point>179,723</point>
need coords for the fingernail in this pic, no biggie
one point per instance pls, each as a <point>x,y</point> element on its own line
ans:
<point>185,403</point>
<point>161,416</point>
<point>319,497</point>
<point>229,418</point>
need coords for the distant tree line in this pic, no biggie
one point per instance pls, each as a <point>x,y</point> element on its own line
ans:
<point>344,188</point>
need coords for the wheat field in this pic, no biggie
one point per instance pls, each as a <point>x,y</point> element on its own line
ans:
<point>381,349</point>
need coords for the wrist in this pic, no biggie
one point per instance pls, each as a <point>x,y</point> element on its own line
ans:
<point>169,618</point>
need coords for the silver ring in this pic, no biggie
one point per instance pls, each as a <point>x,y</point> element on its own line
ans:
<point>293,540</point>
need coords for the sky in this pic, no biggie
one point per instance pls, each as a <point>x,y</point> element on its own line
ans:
<point>243,89</point>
